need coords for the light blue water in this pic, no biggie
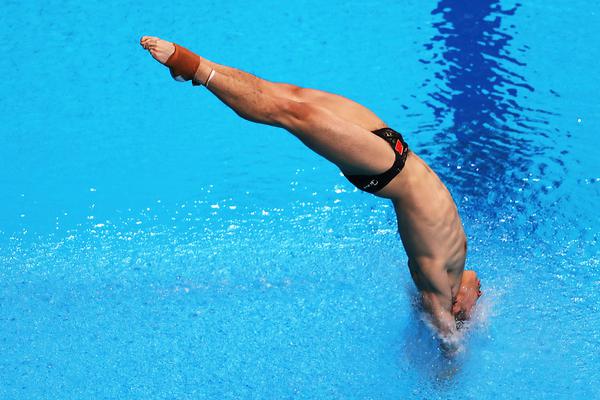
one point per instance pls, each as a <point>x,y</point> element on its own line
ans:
<point>154,245</point>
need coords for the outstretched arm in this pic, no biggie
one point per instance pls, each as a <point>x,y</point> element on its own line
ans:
<point>439,306</point>
<point>432,281</point>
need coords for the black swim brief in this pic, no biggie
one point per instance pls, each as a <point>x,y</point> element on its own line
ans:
<point>374,183</point>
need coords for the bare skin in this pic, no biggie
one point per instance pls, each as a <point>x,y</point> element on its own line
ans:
<point>339,129</point>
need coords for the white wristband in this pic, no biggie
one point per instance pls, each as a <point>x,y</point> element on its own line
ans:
<point>212,74</point>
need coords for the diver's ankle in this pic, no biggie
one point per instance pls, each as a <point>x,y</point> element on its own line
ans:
<point>202,72</point>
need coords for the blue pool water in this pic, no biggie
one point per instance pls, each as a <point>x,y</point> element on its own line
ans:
<point>154,245</point>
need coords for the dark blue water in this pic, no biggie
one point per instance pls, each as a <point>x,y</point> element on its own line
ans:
<point>154,245</point>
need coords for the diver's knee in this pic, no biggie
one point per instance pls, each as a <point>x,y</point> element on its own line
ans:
<point>298,93</point>
<point>291,113</point>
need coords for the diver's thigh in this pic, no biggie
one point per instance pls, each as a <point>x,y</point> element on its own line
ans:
<point>352,148</point>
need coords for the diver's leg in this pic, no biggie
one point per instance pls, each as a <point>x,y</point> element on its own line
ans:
<point>338,105</point>
<point>353,148</point>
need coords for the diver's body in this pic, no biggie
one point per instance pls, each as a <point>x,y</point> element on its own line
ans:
<point>350,135</point>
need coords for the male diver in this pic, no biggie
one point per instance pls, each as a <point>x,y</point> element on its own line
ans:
<point>372,156</point>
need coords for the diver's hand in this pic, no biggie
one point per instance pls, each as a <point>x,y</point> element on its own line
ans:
<point>451,346</point>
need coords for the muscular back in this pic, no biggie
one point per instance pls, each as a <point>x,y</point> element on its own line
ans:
<point>428,221</point>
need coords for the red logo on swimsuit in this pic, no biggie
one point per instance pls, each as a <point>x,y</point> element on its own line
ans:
<point>399,147</point>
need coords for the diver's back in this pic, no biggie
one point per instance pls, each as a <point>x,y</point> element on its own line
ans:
<point>428,220</point>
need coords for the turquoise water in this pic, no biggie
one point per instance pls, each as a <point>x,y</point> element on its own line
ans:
<point>154,245</point>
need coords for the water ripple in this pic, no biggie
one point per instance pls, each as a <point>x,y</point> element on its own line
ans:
<point>485,136</point>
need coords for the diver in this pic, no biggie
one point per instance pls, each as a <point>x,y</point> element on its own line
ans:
<point>372,156</point>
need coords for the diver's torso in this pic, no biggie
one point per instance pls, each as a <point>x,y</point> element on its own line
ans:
<point>428,220</point>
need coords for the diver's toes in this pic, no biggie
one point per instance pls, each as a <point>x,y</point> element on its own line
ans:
<point>148,41</point>
<point>160,49</point>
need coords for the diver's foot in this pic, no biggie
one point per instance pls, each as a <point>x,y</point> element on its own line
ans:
<point>160,49</point>
<point>183,64</point>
